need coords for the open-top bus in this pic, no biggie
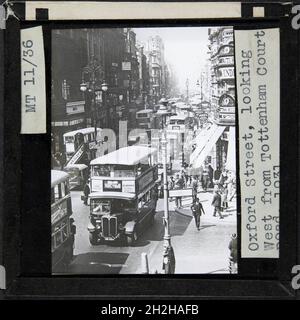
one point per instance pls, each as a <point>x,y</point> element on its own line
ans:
<point>63,228</point>
<point>123,194</point>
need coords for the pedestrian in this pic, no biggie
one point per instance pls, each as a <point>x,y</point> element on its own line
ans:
<point>169,261</point>
<point>205,178</point>
<point>223,177</point>
<point>184,177</point>
<point>178,185</point>
<point>72,231</point>
<point>211,176</point>
<point>171,183</point>
<point>197,210</point>
<point>216,203</point>
<point>225,197</point>
<point>217,174</point>
<point>194,188</point>
<point>86,192</point>
<point>233,253</point>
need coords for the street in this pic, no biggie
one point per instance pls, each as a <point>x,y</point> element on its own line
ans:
<point>204,251</point>
<point>148,117</point>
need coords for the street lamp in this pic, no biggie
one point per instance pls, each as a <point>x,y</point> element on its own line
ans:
<point>83,87</point>
<point>168,255</point>
<point>94,71</point>
<point>104,86</point>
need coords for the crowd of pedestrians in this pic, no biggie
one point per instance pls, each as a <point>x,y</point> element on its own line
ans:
<point>221,183</point>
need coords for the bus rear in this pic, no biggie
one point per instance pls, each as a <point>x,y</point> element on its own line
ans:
<point>62,225</point>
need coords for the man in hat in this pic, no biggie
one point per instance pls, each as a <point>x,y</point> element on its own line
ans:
<point>194,188</point>
<point>197,210</point>
<point>216,203</point>
<point>178,185</point>
<point>233,252</point>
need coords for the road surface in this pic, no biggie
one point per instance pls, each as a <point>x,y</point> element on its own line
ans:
<point>204,251</point>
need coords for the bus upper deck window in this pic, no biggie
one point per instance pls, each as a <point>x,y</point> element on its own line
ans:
<point>63,190</point>
<point>67,189</point>
<point>69,139</point>
<point>57,192</point>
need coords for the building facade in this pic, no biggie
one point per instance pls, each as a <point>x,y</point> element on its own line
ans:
<point>222,91</point>
<point>157,68</point>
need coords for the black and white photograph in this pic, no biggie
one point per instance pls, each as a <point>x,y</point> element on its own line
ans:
<point>143,151</point>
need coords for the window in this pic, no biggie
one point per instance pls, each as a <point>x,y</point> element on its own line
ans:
<point>57,192</point>
<point>60,234</point>
<point>69,139</point>
<point>63,190</point>
<point>101,171</point>
<point>67,188</point>
<point>100,206</point>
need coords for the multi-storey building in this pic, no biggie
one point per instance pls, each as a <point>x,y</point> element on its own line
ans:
<point>222,93</point>
<point>69,108</point>
<point>155,55</point>
<point>92,57</point>
<point>143,77</point>
<point>222,75</point>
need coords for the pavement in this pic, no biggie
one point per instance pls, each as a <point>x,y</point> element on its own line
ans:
<point>204,251</point>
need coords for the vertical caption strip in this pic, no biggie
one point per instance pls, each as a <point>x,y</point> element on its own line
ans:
<point>258,91</point>
<point>33,114</point>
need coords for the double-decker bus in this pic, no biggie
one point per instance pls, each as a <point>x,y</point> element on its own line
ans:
<point>144,119</point>
<point>180,124</point>
<point>62,225</point>
<point>123,194</point>
<point>183,109</point>
<point>178,129</point>
<point>74,140</point>
<point>79,173</point>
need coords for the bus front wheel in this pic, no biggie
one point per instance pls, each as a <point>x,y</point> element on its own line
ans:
<point>93,238</point>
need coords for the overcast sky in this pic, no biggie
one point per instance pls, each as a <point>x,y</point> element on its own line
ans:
<point>185,49</point>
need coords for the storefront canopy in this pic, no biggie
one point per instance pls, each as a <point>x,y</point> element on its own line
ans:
<point>205,142</point>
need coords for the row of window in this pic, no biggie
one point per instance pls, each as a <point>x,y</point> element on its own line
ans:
<point>60,234</point>
<point>59,191</point>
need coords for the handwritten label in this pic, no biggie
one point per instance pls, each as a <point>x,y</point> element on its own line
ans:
<point>257,65</point>
<point>33,115</point>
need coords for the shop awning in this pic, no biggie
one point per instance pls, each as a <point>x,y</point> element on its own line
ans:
<point>206,143</point>
<point>231,154</point>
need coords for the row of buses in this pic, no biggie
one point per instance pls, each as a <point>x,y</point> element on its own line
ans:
<point>123,197</point>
